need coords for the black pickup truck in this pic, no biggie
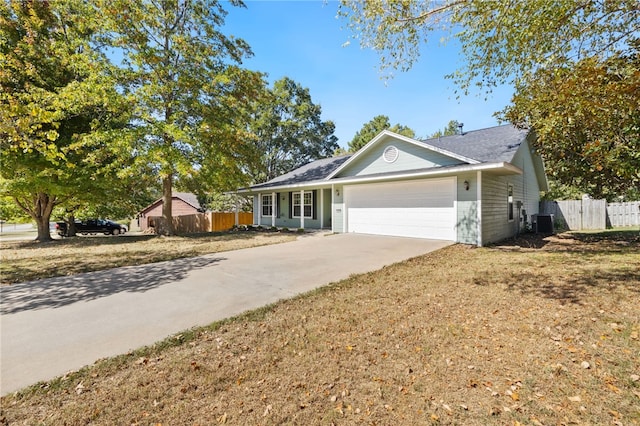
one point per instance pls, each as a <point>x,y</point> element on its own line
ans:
<point>92,226</point>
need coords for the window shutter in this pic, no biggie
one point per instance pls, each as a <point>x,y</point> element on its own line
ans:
<point>315,204</point>
<point>277,204</point>
<point>290,205</point>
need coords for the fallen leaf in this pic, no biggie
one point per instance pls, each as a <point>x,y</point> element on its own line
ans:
<point>613,388</point>
<point>267,410</point>
<point>515,396</point>
<point>575,398</point>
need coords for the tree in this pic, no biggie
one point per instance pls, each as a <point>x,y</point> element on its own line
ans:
<point>178,66</point>
<point>59,108</point>
<point>591,142</point>
<point>451,129</point>
<point>289,131</point>
<point>517,43</point>
<point>370,129</point>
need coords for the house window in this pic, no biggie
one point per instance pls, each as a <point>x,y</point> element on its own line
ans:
<point>267,205</point>
<point>510,202</point>
<point>307,204</point>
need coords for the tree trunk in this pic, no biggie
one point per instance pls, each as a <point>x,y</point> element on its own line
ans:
<point>167,194</point>
<point>41,212</point>
<point>44,233</point>
<point>71,226</point>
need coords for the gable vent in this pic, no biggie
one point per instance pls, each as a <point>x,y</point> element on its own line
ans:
<point>390,154</point>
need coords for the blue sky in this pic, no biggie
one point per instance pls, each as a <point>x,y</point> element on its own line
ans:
<point>304,41</point>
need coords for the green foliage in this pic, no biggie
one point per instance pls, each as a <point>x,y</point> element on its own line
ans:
<point>561,56</point>
<point>60,113</point>
<point>451,129</point>
<point>289,131</point>
<point>10,212</point>
<point>190,95</point>
<point>223,202</point>
<point>371,129</point>
<point>591,142</point>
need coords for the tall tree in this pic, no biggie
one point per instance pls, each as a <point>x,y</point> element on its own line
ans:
<point>59,107</point>
<point>178,65</point>
<point>370,129</point>
<point>289,131</point>
<point>519,42</point>
<point>593,141</point>
<point>451,129</point>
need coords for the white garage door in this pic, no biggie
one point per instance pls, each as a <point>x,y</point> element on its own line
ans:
<point>420,208</point>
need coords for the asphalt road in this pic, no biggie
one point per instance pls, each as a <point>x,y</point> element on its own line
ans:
<point>52,326</point>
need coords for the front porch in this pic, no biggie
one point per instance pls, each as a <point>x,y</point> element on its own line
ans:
<point>303,209</point>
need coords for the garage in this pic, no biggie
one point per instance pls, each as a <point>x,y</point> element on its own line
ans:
<point>419,208</point>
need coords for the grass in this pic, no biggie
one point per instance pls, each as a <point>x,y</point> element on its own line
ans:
<point>537,331</point>
<point>25,261</point>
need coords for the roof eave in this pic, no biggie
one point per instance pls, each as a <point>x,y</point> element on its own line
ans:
<point>501,167</point>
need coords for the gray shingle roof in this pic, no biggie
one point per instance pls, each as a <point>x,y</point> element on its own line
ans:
<point>188,198</point>
<point>316,170</point>
<point>495,144</point>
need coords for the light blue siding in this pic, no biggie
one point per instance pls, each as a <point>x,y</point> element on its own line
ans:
<point>410,157</point>
<point>283,210</point>
<point>495,223</point>
<point>337,213</point>
<point>467,209</point>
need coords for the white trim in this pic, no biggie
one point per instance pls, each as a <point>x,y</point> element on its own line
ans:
<point>479,206</point>
<point>390,154</point>
<point>333,203</point>
<point>301,207</point>
<point>455,208</point>
<point>302,204</point>
<point>510,203</point>
<point>381,136</point>
<point>321,207</point>
<point>444,172</point>
<point>274,201</point>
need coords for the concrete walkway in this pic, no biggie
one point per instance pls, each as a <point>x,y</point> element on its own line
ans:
<point>53,326</point>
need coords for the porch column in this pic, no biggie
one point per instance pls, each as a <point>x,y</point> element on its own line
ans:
<point>321,208</point>
<point>333,191</point>
<point>302,209</point>
<point>259,207</point>
<point>273,209</point>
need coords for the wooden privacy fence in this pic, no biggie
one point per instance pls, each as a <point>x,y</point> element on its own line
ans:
<point>203,222</point>
<point>576,215</point>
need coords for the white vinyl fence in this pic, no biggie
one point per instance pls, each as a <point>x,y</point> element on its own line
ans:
<point>576,215</point>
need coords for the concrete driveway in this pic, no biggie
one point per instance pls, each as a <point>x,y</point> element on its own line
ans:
<point>53,326</point>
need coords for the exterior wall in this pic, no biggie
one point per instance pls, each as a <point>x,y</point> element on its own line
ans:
<point>526,190</point>
<point>495,223</point>
<point>283,220</point>
<point>530,189</point>
<point>467,209</point>
<point>410,157</point>
<point>326,213</point>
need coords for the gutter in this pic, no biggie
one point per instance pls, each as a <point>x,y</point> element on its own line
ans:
<point>504,166</point>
